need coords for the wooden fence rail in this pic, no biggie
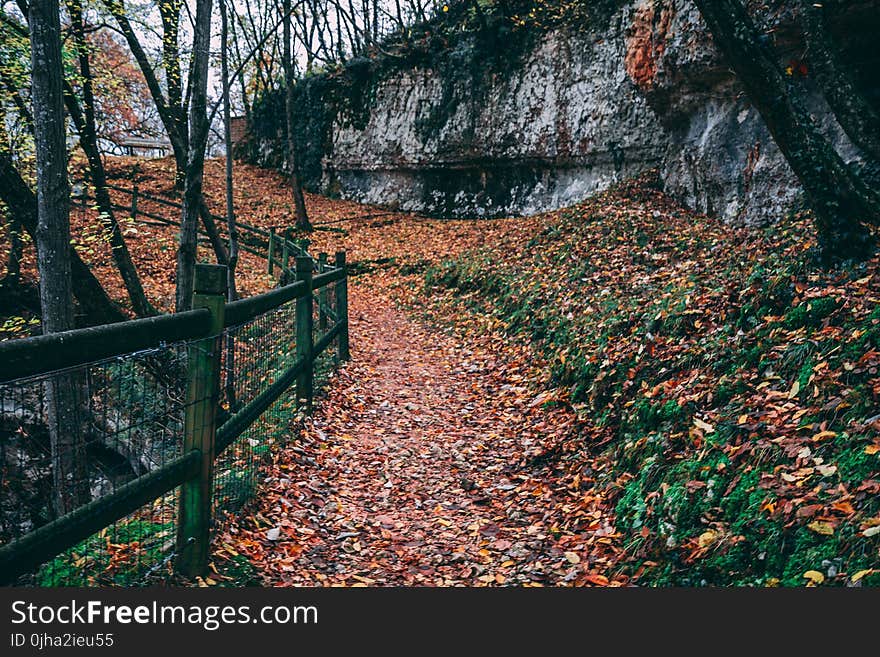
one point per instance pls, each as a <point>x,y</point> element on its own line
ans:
<point>203,440</point>
<point>252,239</point>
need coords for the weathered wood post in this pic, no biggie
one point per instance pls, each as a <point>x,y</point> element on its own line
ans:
<point>323,295</point>
<point>134,201</point>
<point>342,308</point>
<point>200,423</point>
<point>271,253</point>
<point>304,345</point>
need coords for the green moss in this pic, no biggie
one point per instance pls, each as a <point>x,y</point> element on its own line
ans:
<point>237,572</point>
<point>854,465</point>
<point>811,313</point>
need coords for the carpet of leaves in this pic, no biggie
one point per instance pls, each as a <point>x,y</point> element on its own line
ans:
<point>425,462</point>
<point>416,469</point>
<point>729,385</point>
<point>618,392</point>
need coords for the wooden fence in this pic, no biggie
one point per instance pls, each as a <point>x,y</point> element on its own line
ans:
<point>275,244</point>
<point>204,328</point>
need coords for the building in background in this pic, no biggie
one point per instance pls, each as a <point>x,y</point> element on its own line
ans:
<point>239,130</point>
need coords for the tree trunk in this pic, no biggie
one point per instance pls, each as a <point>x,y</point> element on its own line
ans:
<point>839,199</point>
<point>241,80</point>
<point>230,208</point>
<point>213,234</point>
<point>169,12</point>
<point>858,118</point>
<point>302,217</point>
<point>86,126</point>
<point>96,306</point>
<point>63,392</point>
<point>195,161</point>
<point>13,225</point>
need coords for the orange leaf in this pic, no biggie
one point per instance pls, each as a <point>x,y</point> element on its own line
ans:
<point>598,580</point>
<point>843,507</point>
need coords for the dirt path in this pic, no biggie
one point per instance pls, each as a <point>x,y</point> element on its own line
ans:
<point>414,471</point>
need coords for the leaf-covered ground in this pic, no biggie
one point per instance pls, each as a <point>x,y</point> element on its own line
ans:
<point>417,469</point>
<point>621,392</point>
<point>710,386</point>
<point>729,384</point>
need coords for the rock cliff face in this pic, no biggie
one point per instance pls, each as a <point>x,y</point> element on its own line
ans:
<point>568,114</point>
<point>564,122</point>
<point>720,158</point>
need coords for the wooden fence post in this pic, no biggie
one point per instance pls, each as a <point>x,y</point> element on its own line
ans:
<point>200,423</point>
<point>304,345</point>
<point>271,253</point>
<point>342,351</point>
<point>323,296</point>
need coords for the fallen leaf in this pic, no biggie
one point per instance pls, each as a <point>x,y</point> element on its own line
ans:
<point>705,426</point>
<point>820,527</point>
<point>843,507</point>
<point>814,576</point>
<point>707,538</point>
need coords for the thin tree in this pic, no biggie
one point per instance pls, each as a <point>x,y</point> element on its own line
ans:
<point>169,13</point>
<point>840,201</point>
<point>302,217</point>
<point>84,120</point>
<point>230,209</point>
<point>63,391</point>
<point>195,159</point>
<point>171,113</point>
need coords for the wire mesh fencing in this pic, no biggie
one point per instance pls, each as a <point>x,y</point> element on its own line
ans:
<point>71,437</point>
<point>325,318</point>
<point>106,441</point>
<point>255,354</point>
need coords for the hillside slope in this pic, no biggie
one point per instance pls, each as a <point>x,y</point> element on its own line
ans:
<point>731,388</point>
<point>708,389</point>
